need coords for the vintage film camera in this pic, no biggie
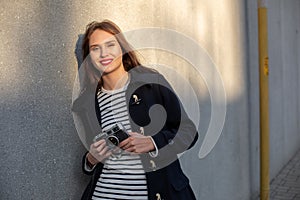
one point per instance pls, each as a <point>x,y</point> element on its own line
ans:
<point>113,136</point>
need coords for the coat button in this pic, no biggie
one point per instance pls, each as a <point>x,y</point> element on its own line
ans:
<point>153,165</point>
<point>142,131</point>
<point>158,196</point>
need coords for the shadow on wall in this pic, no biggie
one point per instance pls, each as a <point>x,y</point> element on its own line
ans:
<point>37,96</point>
<point>36,104</point>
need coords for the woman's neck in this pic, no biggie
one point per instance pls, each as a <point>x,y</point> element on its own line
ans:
<point>115,81</point>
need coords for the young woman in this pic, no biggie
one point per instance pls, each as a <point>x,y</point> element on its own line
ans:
<point>116,89</point>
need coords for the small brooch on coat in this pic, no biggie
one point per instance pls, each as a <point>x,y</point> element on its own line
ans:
<point>136,100</point>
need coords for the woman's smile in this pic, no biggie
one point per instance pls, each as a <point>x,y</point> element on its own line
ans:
<point>105,62</point>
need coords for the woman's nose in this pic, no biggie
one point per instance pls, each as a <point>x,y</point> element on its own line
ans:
<point>103,52</point>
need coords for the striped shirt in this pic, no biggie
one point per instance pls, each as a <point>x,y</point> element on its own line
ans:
<point>123,177</point>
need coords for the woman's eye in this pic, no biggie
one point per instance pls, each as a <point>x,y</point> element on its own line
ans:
<point>95,48</point>
<point>111,45</point>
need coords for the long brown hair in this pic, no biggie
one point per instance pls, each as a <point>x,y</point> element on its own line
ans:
<point>129,57</point>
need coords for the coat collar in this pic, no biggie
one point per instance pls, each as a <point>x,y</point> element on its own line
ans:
<point>138,76</point>
<point>143,75</point>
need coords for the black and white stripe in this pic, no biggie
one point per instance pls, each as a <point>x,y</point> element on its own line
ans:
<point>122,177</point>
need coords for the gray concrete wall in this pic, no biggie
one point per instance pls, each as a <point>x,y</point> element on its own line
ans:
<point>284,54</point>
<point>41,151</point>
<point>284,93</point>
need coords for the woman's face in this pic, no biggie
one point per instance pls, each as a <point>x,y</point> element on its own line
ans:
<point>105,52</point>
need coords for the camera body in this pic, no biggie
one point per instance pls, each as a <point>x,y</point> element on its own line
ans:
<point>113,136</point>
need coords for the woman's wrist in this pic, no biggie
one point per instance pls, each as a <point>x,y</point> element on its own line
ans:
<point>91,160</point>
<point>154,152</point>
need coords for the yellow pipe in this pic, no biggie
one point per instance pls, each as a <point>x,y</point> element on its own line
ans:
<point>264,100</point>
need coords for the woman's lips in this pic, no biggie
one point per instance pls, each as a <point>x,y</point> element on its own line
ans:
<point>106,62</point>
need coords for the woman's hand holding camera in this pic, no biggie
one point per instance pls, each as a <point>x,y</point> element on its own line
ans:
<point>137,143</point>
<point>98,152</point>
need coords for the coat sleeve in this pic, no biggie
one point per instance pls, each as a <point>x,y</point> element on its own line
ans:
<point>179,132</point>
<point>86,169</point>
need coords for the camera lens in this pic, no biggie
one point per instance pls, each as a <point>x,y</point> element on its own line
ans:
<point>113,141</point>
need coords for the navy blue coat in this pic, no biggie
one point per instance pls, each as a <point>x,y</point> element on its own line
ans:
<point>170,128</point>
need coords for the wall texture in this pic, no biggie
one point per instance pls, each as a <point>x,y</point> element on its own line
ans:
<point>284,81</point>
<point>40,149</point>
<point>284,93</point>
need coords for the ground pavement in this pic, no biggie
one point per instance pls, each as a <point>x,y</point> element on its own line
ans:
<point>286,185</point>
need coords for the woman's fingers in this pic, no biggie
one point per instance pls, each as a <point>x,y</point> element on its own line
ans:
<point>99,150</point>
<point>137,143</point>
<point>98,143</point>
